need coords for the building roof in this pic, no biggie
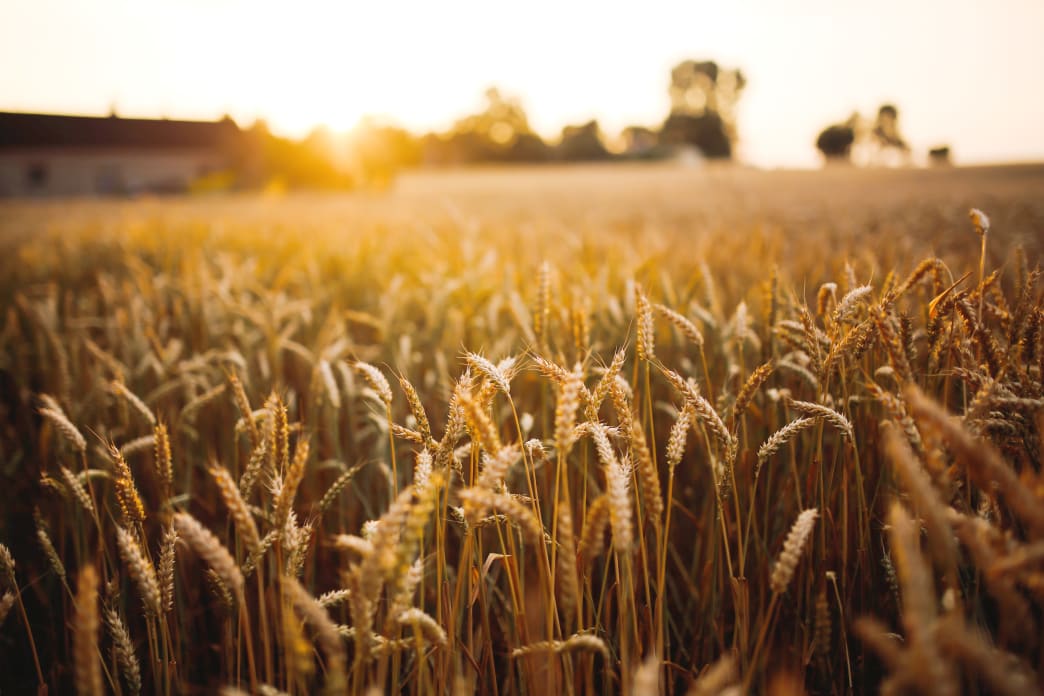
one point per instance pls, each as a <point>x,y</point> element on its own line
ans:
<point>19,130</point>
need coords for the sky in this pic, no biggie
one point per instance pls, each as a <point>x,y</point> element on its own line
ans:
<point>964,73</point>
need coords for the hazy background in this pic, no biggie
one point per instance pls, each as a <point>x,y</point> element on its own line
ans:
<point>961,72</point>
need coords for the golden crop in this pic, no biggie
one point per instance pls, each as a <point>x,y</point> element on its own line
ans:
<point>611,430</point>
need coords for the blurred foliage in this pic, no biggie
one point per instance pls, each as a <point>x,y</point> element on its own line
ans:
<point>835,142</point>
<point>880,142</point>
<point>702,122</point>
<point>266,160</point>
<point>702,119</point>
<point>704,97</point>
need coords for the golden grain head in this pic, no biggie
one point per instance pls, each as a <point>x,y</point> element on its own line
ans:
<point>801,354</point>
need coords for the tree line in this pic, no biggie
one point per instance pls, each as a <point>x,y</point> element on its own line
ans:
<point>700,124</point>
<point>879,139</point>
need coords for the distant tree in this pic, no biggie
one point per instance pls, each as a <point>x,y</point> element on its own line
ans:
<point>581,143</point>
<point>500,132</point>
<point>379,151</point>
<point>529,147</point>
<point>706,132</point>
<point>939,156</point>
<point>638,141</point>
<point>878,142</point>
<point>704,98</point>
<point>835,142</point>
<point>886,137</point>
<point>268,160</point>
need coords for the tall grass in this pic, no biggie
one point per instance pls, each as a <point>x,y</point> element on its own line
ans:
<point>601,469</point>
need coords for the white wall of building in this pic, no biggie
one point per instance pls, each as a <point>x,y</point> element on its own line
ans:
<point>49,172</point>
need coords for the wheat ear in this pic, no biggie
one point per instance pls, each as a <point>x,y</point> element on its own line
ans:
<point>211,550</point>
<point>786,564</point>
<point>124,649</point>
<point>53,412</point>
<point>141,570</point>
<point>329,639</point>
<point>237,508</point>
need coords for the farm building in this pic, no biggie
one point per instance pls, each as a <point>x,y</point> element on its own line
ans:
<point>54,155</point>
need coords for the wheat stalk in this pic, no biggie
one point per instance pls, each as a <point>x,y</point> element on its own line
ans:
<point>500,378</point>
<point>419,414</point>
<point>479,425</point>
<point>86,662</point>
<point>78,491</point>
<point>569,586</point>
<point>54,413</point>
<point>618,483</point>
<point>258,457</point>
<point>679,435</point>
<point>481,499</point>
<point>243,404</point>
<point>126,492</point>
<point>646,344</point>
<point>750,387</point>
<point>915,481</point>
<point>919,605</point>
<point>292,480</point>
<point>429,628</point>
<point>334,597</point>
<point>652,497</point>
<point>495,467</point>
<point>682,323</point>
<point>717,678</point>
<point>7,567</point>
<point>144,443</point>
<point>326,630</point>
<point>162,457</point>
<point>592,541</point>
<point>842,424</point>
<point>237,507</point>
<point>793,546</point>
<point>211,551</point>
<point>606,382</point>
<point>141,571</point>
<point>566,406</point>
<point>193,407</point>
<point>378,382</point>
<point>985,465</point>
<point>7,602</point>
<point>580,642</point>
<point>542,307</point>
<point>780,438</point>
<point>166,568</point>
<point>122,645</point>
<point>332,493</point>
<point>120,389</point>
<point>48,547</point>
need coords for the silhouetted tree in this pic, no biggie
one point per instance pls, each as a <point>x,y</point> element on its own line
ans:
<point>582,143</point>
<point>704,98</point>
<point>939,156</point>
<point>835,142</point>
<point>886,136</point>
<point>379,151</point>
<point>638,141</point>
<point>529,147</point>
<point>706,132</point>
<point>268,159</point>
<point>498,133</point>
<point>877,142</point>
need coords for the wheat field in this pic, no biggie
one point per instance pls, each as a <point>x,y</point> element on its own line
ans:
<point>628,429</point>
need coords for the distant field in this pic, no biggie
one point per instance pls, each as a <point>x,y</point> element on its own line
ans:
<point>636,429</point>
<point>653,207</point>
